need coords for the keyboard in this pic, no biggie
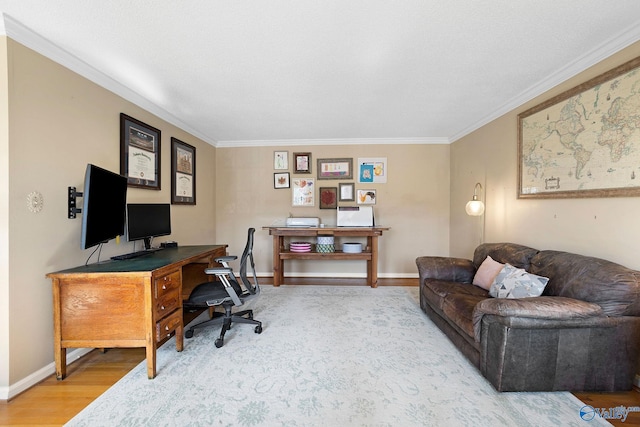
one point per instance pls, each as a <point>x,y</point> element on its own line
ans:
<point>133,254</point>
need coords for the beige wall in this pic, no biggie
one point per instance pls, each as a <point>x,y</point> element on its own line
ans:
<point>4,216</point>
<point>414,203</point>
<point>59,122</point>
<point>604,227</point>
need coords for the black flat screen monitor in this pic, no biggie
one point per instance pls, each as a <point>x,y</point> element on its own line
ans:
<point>104,199</point>
<point>148,220</point>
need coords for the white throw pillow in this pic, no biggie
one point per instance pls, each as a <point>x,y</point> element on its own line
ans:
<point>514,282</point>
<point>487,272</point>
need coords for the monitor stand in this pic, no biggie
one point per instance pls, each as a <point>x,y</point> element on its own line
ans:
<point>147,243</point>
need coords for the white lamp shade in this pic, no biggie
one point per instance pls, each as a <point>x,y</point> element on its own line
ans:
<point>474,208</point>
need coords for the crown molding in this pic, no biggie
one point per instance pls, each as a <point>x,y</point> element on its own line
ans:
<point>25,36</point>
<point>18,32</point>
<point>333,141</point>
<point>604,50</point>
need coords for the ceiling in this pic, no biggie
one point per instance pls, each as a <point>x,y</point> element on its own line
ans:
<point>291,72</point>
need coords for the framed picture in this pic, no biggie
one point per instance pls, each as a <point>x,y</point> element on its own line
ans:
<point>347,192</point>
<point>335,168</point>
<point>281,180</point>
<point>372,170</point>
<point>139,153</point>
<point>302,162</point>
<point>366,197</point>
<point>585,141</point>
<point>328,197</point>
<point>303,192</point>
<point>183,173</point>
<point>281,160</point>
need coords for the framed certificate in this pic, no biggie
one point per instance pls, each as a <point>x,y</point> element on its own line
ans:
<point>139,153</point>
<point>183,173</point>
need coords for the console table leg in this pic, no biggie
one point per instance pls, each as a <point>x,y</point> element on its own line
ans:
<point>372,266</point>
<point>278,263</point>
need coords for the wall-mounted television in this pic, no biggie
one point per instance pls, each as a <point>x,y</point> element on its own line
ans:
<point>148,220</point>
<point>104,203</point>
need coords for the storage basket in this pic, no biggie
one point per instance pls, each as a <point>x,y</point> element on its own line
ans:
<point>325,244</point>
<point>352,248</point>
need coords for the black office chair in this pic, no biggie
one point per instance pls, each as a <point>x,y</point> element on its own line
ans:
<point>227,292</point>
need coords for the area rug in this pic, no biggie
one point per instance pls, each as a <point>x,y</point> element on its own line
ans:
<point>328,356</point>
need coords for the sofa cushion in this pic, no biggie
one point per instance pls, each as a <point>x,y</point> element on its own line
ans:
<point>613,287</point>
<point>516,255</point>
<point>459,310</point>
<point>512,282</point>
<point>487,272</point>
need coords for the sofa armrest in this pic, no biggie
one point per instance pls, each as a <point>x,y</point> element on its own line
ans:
<point>445,268</point>
<point>550,308</point>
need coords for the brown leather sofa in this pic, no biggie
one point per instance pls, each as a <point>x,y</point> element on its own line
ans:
<point>582,334</point>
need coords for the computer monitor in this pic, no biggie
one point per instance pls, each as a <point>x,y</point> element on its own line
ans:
<point>148,220</point>
<point>103,206</point>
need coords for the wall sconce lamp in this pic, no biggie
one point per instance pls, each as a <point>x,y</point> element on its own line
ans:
<point>474,206</point>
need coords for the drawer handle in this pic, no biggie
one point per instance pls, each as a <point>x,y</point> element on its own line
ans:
<point>164,287</point>
<point>162,307</point>
<point>166,328</point>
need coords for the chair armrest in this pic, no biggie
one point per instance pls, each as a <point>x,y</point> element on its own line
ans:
<point>218,270</point>
<point>445,268</point>
<point>225,258</point>
<point>554,310</point>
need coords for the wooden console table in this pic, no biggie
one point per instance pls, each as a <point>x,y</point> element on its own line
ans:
<point>127,303</point>
<point>369,253</point>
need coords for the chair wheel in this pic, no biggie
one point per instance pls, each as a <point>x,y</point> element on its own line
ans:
<point>189,333</point>
<point>258,329</point>
<point>219,343</point>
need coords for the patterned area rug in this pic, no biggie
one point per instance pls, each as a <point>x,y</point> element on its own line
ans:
<point>328,356</point>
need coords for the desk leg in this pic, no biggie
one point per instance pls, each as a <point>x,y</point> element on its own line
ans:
<point>151,361</point>
<point>180,333</point>
<point>372,266</point>
<point>278,264</point>
<point>61,361</point>
<point>59,352</point>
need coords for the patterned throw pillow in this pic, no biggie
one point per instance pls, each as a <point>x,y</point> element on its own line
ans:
<point>514,282</point>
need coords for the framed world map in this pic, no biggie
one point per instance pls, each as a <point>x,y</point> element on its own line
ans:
<point>584,142</point>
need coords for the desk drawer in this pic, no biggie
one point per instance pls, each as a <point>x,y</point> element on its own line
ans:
<point>166,326</point>
<point>167,283</point>
<point>168,302</point>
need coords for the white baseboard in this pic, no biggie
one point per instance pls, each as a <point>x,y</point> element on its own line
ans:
<point>13,390</point>
<point>636,381</point>
<point>343,275</point>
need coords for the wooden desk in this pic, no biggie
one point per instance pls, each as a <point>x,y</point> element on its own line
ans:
<point>369,254</point>
<point>127,303</point>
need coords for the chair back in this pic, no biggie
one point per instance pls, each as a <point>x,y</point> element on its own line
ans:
<point>247,258</point>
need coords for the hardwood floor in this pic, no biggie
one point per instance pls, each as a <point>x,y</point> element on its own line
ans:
<point>629,399</point>
<point>53,402</point>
